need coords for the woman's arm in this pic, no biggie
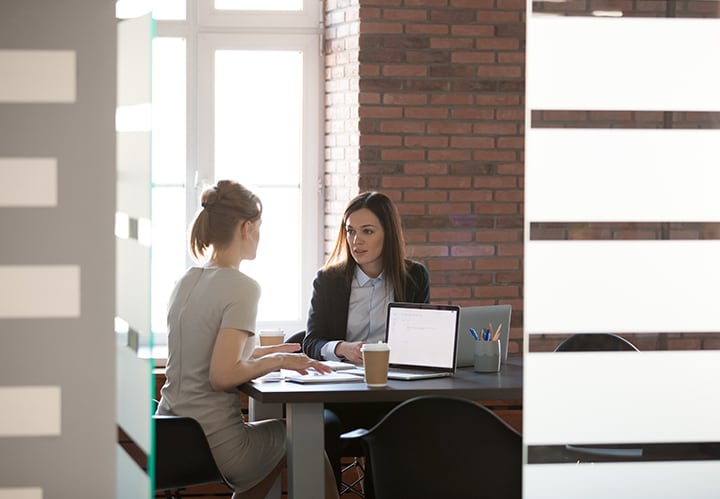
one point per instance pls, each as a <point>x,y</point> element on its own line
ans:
<point>327,317</point>
<point>228,369</point>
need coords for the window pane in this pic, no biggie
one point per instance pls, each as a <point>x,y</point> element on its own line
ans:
<point>277,266</point>
<point>168,103</point>
<point>258,130</point>
<point>169,10</point>
<point>169,249</point>
<point>258,4</point>
<point>258,116</point>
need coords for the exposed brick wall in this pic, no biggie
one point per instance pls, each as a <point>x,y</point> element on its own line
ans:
<point>341,47</point>
<point>440,128</point>
<point>441,111</point>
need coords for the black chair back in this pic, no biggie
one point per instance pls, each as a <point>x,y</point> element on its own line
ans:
<point>595,342</point>
<point>442,447</point>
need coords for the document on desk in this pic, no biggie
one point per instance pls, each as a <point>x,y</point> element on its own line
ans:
<point>336,365</point>
<point>333,377</point>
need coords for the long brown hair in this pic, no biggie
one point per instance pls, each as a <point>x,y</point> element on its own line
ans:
<point>224,206</point>
<point>393,251</point>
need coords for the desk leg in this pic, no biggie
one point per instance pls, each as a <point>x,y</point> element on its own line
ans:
<point>306,447</point>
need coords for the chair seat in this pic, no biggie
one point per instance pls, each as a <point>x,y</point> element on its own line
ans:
<point>182,455</point>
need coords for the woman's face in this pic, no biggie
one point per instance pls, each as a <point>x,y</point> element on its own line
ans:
<point>365,238</point>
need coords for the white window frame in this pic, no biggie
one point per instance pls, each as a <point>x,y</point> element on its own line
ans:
<point>207,30</point>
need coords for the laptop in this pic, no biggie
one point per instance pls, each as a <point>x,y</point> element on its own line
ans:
<point>422,339</point>
<point>478,318</point>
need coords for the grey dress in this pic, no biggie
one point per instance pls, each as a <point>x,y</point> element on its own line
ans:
<point>204,301</point>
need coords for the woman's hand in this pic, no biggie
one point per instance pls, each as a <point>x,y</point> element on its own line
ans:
<point>301,363</point>
<point>279,348</point>
<point>351,351</point>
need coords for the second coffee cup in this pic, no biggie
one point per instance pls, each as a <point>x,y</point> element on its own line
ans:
<point>376,357</point>
<point>271,337</point>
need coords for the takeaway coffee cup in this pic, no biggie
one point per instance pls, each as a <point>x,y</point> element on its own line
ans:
<point>375,358</point>
<point>271,336</point>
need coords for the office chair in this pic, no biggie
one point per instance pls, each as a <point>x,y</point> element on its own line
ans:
<point>182,456</point>
<point>595,342</point>
<point>430,447</point>
<point>297,337</point>
<point>599,342</point>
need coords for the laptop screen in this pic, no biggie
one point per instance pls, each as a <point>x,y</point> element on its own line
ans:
<point>422,335</point>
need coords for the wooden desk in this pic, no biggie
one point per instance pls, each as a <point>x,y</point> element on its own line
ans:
<point>304,410</point>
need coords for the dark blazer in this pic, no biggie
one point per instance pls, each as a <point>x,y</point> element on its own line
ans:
<point>328,314</point>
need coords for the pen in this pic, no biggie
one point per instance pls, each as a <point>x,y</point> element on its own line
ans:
<point>474,334</point>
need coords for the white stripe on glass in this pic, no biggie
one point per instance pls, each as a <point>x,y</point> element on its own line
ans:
<point>37,76</point>
<point>29,291</point>
<point>18,174</point>
<point>30,411</point>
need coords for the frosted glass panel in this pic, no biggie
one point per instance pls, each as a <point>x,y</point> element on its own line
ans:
<point>133,181</point>
<point>617,397</point>
<point>622,64</point>
<point>134,396</point>
<point>133,286</point>
<point>613,286</point>
<point>134,380</point>
<point>622,175</point>
<point>659,480</point>
<point>132,481</point>
<point>133,65</point>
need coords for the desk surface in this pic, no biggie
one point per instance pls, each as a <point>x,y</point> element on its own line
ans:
<point>505,385</point>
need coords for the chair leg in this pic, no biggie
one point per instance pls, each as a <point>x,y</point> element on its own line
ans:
<point>356,486</point>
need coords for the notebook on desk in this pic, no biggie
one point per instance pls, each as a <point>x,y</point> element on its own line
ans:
<point>422,339</point>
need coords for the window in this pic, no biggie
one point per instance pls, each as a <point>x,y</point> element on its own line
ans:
<point>240,100</point>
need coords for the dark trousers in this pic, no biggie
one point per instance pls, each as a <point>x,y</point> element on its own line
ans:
<point>344,417</point>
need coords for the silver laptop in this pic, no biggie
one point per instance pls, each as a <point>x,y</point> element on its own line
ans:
<point>422,339</point>
<point>478,318</point>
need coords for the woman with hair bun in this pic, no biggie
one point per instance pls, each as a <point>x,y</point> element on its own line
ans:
<point>211,317</point>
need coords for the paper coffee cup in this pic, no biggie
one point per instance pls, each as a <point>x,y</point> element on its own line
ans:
<point>271,336</point>
<point>375,358</point>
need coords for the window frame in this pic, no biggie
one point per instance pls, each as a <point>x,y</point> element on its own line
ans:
<point>207,30</point>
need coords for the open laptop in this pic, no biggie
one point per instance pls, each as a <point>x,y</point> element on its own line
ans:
<point>478,318</point>
<point>422,339</point>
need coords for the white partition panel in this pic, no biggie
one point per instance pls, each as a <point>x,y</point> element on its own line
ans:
<point>584,174</point>
<point>134,374</point>
<point>623,175</point>
<point>656,480</point>
<point>621,286</point>
<point>622,63</point>
<point>616,397</point>
<point>133,284</point>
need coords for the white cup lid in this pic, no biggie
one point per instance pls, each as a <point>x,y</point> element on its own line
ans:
<point>272,332</point>
<point>375,347</point>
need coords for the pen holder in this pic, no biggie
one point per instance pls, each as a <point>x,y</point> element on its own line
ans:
<point>487,356</point>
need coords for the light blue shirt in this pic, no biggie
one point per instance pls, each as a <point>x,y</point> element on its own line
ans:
<point>367,312</point>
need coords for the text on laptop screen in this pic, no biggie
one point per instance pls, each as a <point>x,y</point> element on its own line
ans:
<point>422,336</point>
